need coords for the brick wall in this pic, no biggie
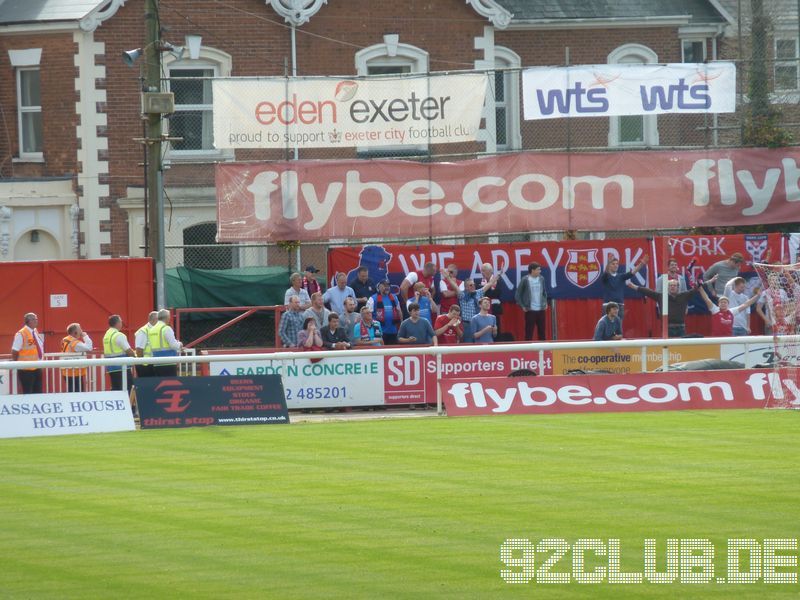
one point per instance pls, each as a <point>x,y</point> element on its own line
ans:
<point>57,73</point>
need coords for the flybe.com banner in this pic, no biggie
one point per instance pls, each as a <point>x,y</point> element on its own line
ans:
<point>325,112</point>
<point>620,90</point>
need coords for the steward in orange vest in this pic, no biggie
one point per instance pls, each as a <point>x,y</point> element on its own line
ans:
<point>76,342</point>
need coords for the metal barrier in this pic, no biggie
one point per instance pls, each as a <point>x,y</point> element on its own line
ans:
<point>191,360</point>
<point>95,364</point>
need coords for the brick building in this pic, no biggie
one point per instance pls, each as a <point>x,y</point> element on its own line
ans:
<point>71,167</point>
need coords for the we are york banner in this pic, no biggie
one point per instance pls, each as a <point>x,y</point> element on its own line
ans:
<point>625,89</point>
<point>365,113</point>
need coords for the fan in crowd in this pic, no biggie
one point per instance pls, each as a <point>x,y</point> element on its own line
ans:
<point>308,338</point>
<point>386,310</point>
<point>416,329</point>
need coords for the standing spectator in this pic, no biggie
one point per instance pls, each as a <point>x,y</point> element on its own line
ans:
<point>291,323</point>
<point>734,291</point>
<point>676,306</point>
<point>77,342</point>
<point>335,295</point>
<point>367,332</point>
<point>468,302</point>
<point>723,316</point>
<point>310,283</point>
<point>422,297</point>
<point>772,295</point>
<point>296,289</point>
<point>308,338</point>
<point>385,307</point>
<point>531,296</point>
<point>725,270</point>
<point>449,287</point>
<point>142,345</point>
<point>415,329</point>
<point>28,345</point>
<point>334,337</point>
<point>484,324</point>
<point>609,327</point>
<point>363,287</point>
<point>614,283</point>
<point>115,345</point>
<point>425,277</point>
<point>317,311</point>
<point>164,343</point>
<point>673,274</point>
<point>448,328</point>
<point>350,317</point>
<point>492,291</point>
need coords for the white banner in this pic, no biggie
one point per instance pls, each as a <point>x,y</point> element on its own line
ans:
<point>319,113</point>
<point>628,89</point>
<point>340,381</point>
<point>60,414</point>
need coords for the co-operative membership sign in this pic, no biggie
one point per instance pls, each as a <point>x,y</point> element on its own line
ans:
<point>329,112</point>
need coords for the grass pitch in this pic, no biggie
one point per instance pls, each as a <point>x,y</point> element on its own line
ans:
<point>413,508</point>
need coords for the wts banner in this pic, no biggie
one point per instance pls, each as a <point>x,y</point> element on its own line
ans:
<point>324,112</point>
<point>626,89</point>
<point>319,200</point>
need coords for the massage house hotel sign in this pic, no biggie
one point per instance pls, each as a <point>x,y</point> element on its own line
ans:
<point>325,112</point>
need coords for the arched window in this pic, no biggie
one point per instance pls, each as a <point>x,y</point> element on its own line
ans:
<point>392,58</point>
<point>633,130</point>
<point>208,254</point>
<point>190,81</point>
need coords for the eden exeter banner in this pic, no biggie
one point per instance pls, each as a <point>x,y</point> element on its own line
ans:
<point>320,200</point>
<point>628,89</point>
<point>325,112</point>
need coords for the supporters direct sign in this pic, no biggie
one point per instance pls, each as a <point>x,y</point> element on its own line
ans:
<point>325,112</point>
<point>200,401</point>
<point>628,89</point>
<point>320,200</point>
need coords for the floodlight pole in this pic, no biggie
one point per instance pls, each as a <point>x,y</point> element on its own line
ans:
<point>154,171</point>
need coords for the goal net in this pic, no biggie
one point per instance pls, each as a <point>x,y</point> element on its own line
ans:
<point>780,303</point>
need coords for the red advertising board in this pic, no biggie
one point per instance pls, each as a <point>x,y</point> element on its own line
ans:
<point>412,379</point>
<point>320,200</point>
<point>674,390</point>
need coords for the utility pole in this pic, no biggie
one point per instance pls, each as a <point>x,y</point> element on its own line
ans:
<point>153,141</point>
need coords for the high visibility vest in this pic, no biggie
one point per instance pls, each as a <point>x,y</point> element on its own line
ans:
<point>111,349</point>
<point>68,345</point>
<point>30,347</point>
<point>147,350</point>
<point>158,343</point>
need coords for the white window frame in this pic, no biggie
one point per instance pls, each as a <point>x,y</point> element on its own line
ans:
<point>392,54</point>
<point>692,40</point>
<point>792,63</point>
<point>633,54</point>
<point>221,64</point>
<point>31,109</point>
<point>508,59</point>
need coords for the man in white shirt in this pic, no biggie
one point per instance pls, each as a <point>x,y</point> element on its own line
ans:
<point>734,290</point>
